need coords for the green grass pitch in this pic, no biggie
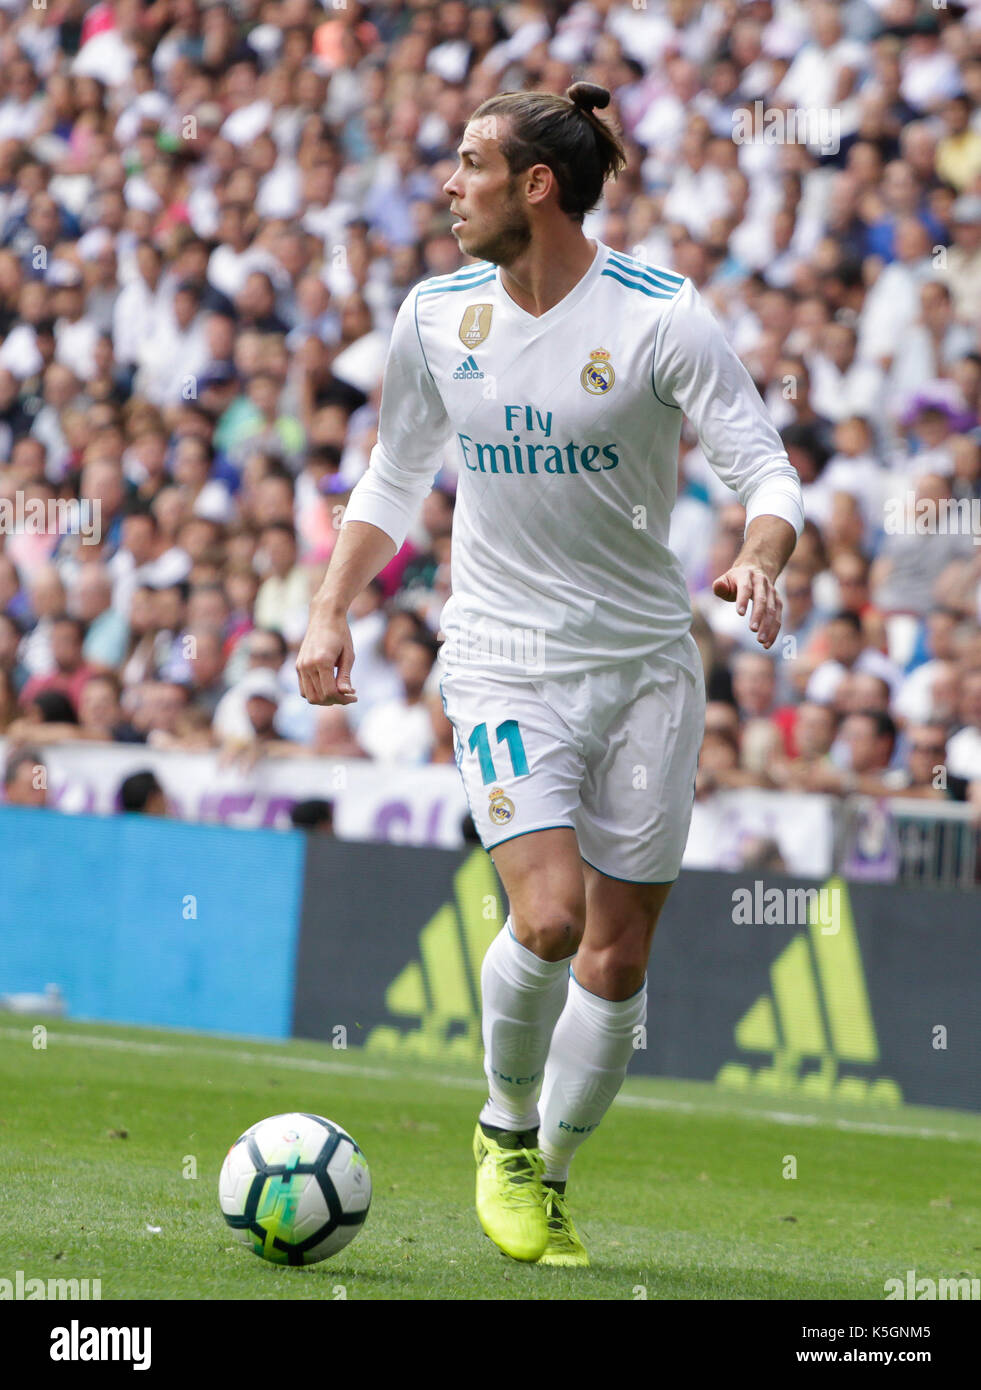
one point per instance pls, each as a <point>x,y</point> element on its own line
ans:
<point>681,1194</point>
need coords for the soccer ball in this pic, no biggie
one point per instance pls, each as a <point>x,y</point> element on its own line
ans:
<point>295,1189</point>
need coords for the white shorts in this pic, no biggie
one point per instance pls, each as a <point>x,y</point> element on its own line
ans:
<point>611,754</point>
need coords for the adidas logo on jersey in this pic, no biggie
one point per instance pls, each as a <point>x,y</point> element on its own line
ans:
<point>468,371</point>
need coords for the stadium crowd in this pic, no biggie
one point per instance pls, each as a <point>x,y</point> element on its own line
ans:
<point>209,216</point>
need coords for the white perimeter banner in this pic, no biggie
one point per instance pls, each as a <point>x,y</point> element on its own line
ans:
<point>728,831</point>
<point>405,805</point>
<point>413,805</point>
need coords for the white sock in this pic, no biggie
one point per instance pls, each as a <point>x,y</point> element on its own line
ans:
<point>522,996</point>
<point>592,1045</point>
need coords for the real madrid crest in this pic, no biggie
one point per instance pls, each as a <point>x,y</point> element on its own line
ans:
<point>475,324</point>
<point>501,808</point>
<point>598,376</point>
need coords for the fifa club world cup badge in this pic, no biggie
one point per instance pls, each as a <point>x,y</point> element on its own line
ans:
<point>501,808</point>
<point>598,376</point>
<point>475,324</point>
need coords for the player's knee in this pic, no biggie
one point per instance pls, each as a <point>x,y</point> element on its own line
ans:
<point>551,932</point>
<point>614,972</point>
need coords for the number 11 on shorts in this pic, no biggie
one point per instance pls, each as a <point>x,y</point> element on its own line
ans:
<point>508,733</point>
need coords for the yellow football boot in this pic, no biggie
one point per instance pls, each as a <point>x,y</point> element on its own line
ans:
<point>564,1246</point>
<point>510,1196</point>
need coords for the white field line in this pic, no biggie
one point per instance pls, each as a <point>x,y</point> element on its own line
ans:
<point>376,1073</point>
<point>790,1117</point>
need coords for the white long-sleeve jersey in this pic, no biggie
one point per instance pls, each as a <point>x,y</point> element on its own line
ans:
<point>566,429</point>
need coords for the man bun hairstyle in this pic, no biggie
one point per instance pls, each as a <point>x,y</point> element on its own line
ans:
<point>588,96</point>
<point>580,148</point>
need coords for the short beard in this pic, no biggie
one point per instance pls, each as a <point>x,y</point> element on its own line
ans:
<point>511,237</point>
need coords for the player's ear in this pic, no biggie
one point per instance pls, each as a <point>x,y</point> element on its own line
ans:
<point>539,182</point>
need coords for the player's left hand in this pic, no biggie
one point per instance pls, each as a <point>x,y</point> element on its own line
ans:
<point>745,584</point>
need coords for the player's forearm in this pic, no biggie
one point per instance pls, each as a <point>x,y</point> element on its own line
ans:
<point>362,550</point>
<point>768,544</point>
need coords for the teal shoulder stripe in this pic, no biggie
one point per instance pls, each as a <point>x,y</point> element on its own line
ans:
<point>631,263</point>
<point>468,272</point>
<point>632,285</point>
<point>452,289</point>
<point>660,279</point>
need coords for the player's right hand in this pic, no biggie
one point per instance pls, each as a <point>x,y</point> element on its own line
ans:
<point>324,661</point>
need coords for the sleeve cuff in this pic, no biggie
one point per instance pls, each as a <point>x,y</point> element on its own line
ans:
<point>378,511</point>
<point>778,497</point>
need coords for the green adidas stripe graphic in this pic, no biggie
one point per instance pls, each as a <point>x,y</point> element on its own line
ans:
<point>442,989</point>
<point>843,988</point>
<point>816,1017</point>
<point>798,1006</point>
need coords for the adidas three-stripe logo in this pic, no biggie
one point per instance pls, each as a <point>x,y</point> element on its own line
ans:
<point>440,990</point>
<point>816,1017</point>
<point>468,371</point>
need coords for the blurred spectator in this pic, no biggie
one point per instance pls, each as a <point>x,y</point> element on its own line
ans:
<point>47,601</point>
<point>70,668</point>
<point>843,383</point>
<point>915,553</point>
<point>860,691</point>
<point>813,733</point>
<point>964,747</point>
<point>868,738</point>
<point>333,736</point>
<point>754,685</point>
<point>206,663</point>
<point>285,592</point>
<point>262,649</point>
<point>377,635</point>
<point>926,774</point>
<point>958,158</point>
<point>963,262</point>
<point>401,730</point>
<point>893,302</point>
<point>847,652</point>
<point>106,630</point>
<point>11,635</point>
<point>142,794</point>
<point>314,815</point>
<point>930,347</point>
<point>8,700</point>
<point>25,780</point>
<point>261,692</point>
<point>718,763</point>
<point>158,713</point>
<point>849,569</point>
<point>47,707</point>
